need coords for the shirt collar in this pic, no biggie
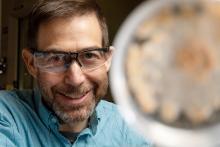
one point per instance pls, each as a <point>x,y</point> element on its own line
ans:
<point>45,114</point>
<point>93,122</point>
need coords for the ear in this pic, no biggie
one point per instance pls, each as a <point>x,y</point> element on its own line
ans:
<point>108,63</point>
<point>28,59</point>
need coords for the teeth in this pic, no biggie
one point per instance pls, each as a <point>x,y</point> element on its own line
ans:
<point>73,96</point>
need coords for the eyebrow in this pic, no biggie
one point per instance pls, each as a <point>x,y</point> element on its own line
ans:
<point>59,50</point>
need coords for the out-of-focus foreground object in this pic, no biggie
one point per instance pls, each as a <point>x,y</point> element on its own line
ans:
<point>165,73</point>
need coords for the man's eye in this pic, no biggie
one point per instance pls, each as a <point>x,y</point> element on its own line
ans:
<point>54,58</point>
<point>89,55</point>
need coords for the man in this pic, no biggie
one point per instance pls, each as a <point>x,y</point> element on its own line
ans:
<point>69,56</point>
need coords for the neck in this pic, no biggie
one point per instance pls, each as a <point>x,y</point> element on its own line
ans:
<point>74,127</point>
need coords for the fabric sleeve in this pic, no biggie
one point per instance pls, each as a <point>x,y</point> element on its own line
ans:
<point>8,136</point>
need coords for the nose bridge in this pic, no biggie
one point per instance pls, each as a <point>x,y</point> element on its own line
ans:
<point>74,55</point>
<point>74,59</point>
<point>74,74</point>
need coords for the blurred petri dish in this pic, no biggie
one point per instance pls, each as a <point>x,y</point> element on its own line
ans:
<point>165,73</point>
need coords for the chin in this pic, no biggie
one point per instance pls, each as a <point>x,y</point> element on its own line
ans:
<point>76,113</point>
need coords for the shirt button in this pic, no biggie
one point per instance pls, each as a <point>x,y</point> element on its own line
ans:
<point>53,120</point>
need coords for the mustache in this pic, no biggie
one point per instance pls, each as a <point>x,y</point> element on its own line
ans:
<point>72,89</point>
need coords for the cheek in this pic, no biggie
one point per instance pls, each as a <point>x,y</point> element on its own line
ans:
<point>49,79</point>
<point>46,82</point>
<point>99,78</point>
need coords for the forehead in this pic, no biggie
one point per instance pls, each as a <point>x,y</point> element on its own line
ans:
<point>70,34</point>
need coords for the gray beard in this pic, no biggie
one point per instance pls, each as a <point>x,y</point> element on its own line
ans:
<point>75,114</point>
<point>78,113</point>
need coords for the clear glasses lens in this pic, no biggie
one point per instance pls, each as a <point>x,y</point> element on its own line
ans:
<point>59,62</point>
<point>91,59</point>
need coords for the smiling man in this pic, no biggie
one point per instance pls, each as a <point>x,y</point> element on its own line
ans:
<point>68,54</point>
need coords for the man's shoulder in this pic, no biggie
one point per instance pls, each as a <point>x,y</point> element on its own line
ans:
<point>12,95</point>
<point>8,105</point>
<point>13,99</point>
<point>117,128</point>
<point>109,113</point>
<point>7,96</point>
<point>106,107</point>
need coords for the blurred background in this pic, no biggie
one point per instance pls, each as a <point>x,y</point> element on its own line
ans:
<point>13,24</point>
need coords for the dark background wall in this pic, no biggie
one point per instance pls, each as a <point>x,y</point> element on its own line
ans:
<point>116,12</point>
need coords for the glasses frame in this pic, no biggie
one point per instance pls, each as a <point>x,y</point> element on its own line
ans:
<point>73,56</point>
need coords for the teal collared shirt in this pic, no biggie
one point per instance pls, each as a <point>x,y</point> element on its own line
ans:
<point>26,122</point>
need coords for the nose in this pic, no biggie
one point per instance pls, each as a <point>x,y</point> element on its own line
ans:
<point>74,75</point>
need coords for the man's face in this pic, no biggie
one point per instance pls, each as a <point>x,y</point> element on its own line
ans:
<point>73,94</point>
